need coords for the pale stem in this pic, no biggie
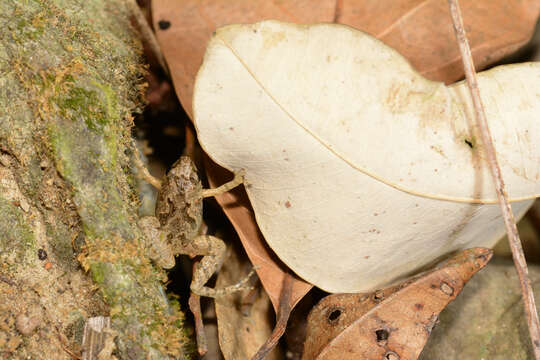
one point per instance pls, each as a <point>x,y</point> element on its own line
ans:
<point>142,170</point>
<point>508,216</point>
<point>148,35</point>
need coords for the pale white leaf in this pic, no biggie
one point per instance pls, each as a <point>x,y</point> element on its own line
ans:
<point>360,171</point>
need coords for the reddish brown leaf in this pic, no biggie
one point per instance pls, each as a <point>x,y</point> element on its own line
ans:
<point>420,30</point>
<point>393,323</point>
<point>192,22</point>
<point>283,288</point>
<point>272,272</point>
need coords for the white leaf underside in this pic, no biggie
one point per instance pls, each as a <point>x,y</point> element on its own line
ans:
<point>359,170</point>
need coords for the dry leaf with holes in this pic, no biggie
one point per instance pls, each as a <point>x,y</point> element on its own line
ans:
<point>361,171</point>
<point>393,323</point>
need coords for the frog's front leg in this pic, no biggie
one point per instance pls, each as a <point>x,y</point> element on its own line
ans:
<point>237,180</point>
<point>214,251</point>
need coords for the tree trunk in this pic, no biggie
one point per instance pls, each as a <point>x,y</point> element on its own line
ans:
<point>70,76</point>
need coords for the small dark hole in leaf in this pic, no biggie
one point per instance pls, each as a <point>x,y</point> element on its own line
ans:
<point>164,24</point>
<point>334,315</point>
<point>378,296</point>
<point>468,142</point>
<point>382,335</point>
<point>390,355</point>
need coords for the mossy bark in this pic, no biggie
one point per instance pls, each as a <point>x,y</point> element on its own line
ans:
<point>69,79</point>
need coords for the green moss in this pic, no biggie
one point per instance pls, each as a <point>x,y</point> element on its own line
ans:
<point>96,104</point>
<point>61,246</point>
<point>75,329</point>
<point>32,178</point>
<point>70,69</point>
<point>98,273</point>
<point>80,102</point>
<point>17,242</point>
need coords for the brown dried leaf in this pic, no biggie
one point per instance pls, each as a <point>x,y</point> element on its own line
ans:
<point>283,288</point>
<point>192,22</point>
<point>271,271</point>
<point>420,30</point>
<point>393,323</point>
<point>242,329</point>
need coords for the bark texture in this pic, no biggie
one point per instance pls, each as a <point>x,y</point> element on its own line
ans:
<point>69,79</point>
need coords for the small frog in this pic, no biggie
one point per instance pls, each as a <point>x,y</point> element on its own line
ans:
<point>175,228</point>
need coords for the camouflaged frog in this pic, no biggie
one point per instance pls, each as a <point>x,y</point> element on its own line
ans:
<point>175,228</point>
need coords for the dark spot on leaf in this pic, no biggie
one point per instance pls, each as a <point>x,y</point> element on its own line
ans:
<point>419,306</point>
<point>42,254</point>
<point>382,335</point>
<point>390,355</point>
<point>164,24</point>
<point>378,295</point>
<point>334,315</point>
<point>469,143</point>
<point>483,257</point>
<point>231,128</point>
<point>287,204</point>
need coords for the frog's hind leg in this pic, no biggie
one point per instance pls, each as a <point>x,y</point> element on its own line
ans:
<point>214,251</point>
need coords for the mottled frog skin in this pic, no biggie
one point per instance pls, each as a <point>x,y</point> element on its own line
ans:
<point>179,205</point>
<point>175,229</point>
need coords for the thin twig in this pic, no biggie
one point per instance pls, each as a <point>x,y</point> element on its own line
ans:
<point>511,228</point>
<point>194,303</point>
<point>142,170</point>
<point>148,35</point>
